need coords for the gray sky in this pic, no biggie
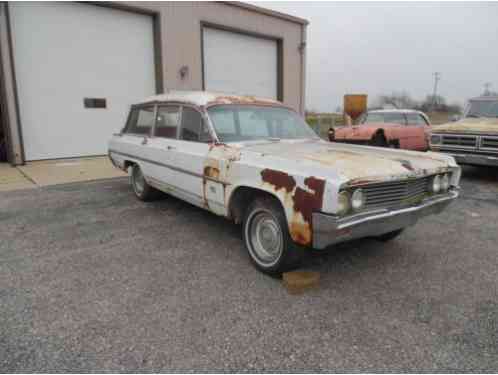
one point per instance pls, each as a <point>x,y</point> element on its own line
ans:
<point>378,48</point>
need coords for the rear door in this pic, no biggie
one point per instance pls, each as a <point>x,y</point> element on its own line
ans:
<point>160,146</point>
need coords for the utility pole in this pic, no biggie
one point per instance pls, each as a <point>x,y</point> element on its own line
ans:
<point>487,90</point>
<point>437,77</point>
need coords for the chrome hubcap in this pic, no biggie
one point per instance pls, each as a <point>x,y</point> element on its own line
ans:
<point>266,238</point>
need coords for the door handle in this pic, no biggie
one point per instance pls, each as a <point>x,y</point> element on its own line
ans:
<point>170,147</point>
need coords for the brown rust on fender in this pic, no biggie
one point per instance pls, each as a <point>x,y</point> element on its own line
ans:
<point>305,203</point>
<point>280,180</point>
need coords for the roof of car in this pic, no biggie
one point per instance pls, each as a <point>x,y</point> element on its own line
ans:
<point>207,98</point>
<point>394,111</point>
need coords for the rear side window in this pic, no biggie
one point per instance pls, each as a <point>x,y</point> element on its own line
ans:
<point>193,126</point>
<point>415,119</point>
<point>395,118</point>
<point>140,121</point>
<point>168,119</point>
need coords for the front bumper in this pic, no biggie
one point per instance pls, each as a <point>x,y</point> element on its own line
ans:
<point>329,229</point>
<point>475,159</point>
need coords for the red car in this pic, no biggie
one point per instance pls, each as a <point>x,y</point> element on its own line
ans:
<point>396,128</point>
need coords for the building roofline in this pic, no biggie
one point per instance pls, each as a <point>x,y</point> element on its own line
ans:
<point>268,12</point>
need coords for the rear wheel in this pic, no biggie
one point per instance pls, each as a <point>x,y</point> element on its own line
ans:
<point>267,238</point>
<point>390,236</point>
<point>142,189</point>
<point>379,140</point>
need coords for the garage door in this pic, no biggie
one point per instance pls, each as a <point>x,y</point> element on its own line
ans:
<point>65,53</point>
<point>238,63</point>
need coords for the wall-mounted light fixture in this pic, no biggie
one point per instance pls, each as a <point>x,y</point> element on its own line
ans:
<point>183,71</point>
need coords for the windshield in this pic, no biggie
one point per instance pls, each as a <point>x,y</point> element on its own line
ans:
<point>384,117</point>
<point>482,108</point>
<point>235,123</point>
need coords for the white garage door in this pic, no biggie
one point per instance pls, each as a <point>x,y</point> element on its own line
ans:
<point>238,63</point>
<point>65,52</point>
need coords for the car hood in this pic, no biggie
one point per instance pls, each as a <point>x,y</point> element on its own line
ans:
<point>482,125</point>
<point>351,163</point>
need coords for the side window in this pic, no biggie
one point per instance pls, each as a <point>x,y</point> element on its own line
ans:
<point>374,117</point>
<point>193,127</point>
<point>395,118</point>
<point>415,119</point>
<point>168,118</point>
<point>140,121</point>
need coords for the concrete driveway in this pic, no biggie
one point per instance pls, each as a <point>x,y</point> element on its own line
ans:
<point>93,280</point>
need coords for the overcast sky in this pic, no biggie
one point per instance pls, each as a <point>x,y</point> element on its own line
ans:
<point>378,48</point>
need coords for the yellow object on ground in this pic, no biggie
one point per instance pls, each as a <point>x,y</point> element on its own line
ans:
<point>298,282</point>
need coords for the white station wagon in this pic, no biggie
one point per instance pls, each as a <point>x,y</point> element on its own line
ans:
<point>256,162</point>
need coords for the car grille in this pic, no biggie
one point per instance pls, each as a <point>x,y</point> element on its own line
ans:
<point>459,140</point>
<point>389,194</point>
<point>489,142</point>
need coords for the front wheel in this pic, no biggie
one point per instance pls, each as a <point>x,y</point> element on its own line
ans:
<point>267,239</point>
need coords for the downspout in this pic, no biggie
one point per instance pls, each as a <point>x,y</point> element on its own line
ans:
<point>302,50</point>
<point>9,90</point>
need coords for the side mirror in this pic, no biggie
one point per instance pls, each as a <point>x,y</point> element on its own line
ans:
<point>455,118</point>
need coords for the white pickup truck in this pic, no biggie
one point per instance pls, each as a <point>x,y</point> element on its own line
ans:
<point>256,162</point>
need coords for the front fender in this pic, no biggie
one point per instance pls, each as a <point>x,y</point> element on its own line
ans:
<point>299,197</point>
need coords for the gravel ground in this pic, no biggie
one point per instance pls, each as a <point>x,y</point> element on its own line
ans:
<point>93,280</point>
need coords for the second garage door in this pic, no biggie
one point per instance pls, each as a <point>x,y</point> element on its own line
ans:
<point>239,63</point>
<point>65,53</point>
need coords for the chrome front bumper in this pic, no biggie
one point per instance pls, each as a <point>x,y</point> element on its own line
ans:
<point>329,229</point>
<point>475,159</point>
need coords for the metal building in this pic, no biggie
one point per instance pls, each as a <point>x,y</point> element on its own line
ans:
<point>69,71</point>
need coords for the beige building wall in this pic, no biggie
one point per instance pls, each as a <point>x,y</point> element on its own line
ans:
<point>181,41</point>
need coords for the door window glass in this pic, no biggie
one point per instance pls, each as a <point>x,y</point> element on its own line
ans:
<point>193,126</point>
<point>168,118</point>
<point>140,121</point>
<point>394,118</point>
<point>415,119</point>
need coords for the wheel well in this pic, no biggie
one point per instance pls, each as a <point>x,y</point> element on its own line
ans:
<point>128,164</point>
<point>242,197</point>
<point>380,132</point>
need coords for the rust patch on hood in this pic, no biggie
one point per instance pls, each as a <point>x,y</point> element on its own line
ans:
<point>280,180</point>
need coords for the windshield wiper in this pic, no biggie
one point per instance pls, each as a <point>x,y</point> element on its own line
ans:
<point>272,139</point>
<point>473,115</point>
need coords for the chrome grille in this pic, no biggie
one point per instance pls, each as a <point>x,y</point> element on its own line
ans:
<point>396,193</point>
<point>459,140</point>
<point>489,142</point>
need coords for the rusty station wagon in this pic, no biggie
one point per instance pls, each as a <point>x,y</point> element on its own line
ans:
<point>258,163</point>
<point>474,138</point>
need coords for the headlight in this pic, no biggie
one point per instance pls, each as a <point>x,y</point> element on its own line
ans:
<point>357,200</point>
<point>344,203</point>
<point>445,182</point>
<point>435,139</point>
<point>436,184</point>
